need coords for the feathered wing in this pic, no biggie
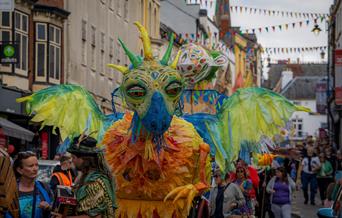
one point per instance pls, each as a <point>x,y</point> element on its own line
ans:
<point>246,116</point>
<point>69,107</point>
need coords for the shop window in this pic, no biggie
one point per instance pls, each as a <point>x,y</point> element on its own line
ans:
<point>93,48</point>
<point>298,126</point>
<point>118,8</point>
<point>21,37</point>
<point>84,42</point>
<point>118,53</point>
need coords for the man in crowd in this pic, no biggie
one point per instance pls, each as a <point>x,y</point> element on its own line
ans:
<point>310,166</point>
<point>62,174</point>
<point>95,193</point>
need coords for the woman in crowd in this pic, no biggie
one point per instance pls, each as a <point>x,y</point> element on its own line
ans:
<point>225,198</point>
<point>246,187</point>
<point>324,176</point>
<point>35,198</point>
<point>281,187</point>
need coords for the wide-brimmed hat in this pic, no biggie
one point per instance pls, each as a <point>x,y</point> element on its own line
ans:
<point>84,146</point>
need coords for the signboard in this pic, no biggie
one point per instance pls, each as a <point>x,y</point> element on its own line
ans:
<point>338,77</point>
<point>321,96</point>
<point>7,5</point>
<point>9,53</point>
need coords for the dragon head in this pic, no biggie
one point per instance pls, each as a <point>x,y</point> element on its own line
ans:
<point>151,88</point>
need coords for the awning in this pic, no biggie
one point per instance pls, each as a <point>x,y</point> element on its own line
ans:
<point>15,131</point>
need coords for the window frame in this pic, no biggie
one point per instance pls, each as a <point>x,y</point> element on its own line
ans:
<point>6,67</point>
<point>23,33</point>
<point>37,43</point>
<point>56,46</point>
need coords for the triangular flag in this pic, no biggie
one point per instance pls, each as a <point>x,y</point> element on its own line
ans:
<point>300,23</point>
<point>279,27</point>
<point>273,28</point>
<point>293,25</point>
<point>307,22</point>
<point>266,29</point>
<point>240,9</point>
<point>282,13</point>
<point>259,29</point>
<point>246,9</point>
<point>322,18</point>
<point>286,26</point>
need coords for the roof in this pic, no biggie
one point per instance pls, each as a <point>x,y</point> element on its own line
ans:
<point>299,70</point>
<point>302,87</point>
<point>14,130</point>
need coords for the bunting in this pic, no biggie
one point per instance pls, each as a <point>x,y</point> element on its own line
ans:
<point>285,26</point>
<point>278,50</point>
<point>269,12</point>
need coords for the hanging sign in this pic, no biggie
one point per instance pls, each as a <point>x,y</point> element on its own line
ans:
<point>9,53</point>
<point>338,77</point>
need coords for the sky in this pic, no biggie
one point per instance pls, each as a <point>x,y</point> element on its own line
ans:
<point>297,37</point>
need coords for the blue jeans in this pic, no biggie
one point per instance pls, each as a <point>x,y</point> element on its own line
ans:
<point>312,180</point>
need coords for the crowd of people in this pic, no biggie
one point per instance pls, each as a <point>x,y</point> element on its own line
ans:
<point>244,192</point>
<point>93,187</point>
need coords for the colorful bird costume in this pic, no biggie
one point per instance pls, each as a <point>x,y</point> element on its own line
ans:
<point>160,160</point>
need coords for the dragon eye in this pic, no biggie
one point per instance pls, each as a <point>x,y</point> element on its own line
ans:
<point>136,91</point>
<point>173,89</point>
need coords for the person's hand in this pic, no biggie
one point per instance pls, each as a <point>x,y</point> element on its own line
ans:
<point>56,215</point>
<point>44,205</point>
<point>233,205</point>
<point>272,191</point>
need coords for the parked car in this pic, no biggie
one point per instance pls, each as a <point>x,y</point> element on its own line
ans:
<point>46,169</point>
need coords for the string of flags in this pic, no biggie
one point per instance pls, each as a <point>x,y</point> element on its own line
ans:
<point>263,11</point>
<point>270,50</point>
<point>282,27</point>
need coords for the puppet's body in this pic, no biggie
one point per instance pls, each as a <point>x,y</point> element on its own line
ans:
<point>159,160</point>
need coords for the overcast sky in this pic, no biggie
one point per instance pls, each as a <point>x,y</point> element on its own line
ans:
<point>297,37</point>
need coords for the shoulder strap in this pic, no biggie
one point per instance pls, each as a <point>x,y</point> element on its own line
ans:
<point>226,186</point>
<point>43,192</point>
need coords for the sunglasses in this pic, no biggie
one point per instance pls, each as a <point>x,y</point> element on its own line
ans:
<point>216,176</point>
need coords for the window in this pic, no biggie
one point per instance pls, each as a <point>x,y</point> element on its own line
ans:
<point>41,51</point>
<point>102,53</point>
<point>142,11</point>
<point>155,29</point>
<point>21,37</point>
<point>110,5</point>
<point>93,35</point>
<point>118,53</point>
<point>6,33</point>
<point>54,53</point>
<point>149,18</point>
<point>118,9</point>
<point>84,30</point>
<point>93,48</point>
<point>84,43</point>
<point>298,126</point>
<point>125,10</point>
<point>111,47</point>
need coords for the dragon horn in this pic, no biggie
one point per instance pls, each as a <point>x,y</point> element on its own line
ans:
<point>175,61</point>
<point>134,60</point>
<point>119,68</point>
<point>167,54</point>
<point>146,41</point>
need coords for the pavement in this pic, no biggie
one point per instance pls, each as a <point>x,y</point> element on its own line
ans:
<point>299,209</point>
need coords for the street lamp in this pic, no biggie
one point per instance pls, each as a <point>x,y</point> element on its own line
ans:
<point>316,30</point>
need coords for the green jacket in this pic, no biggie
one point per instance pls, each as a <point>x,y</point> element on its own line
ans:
<point>326,170</point>
<point>96,196</point>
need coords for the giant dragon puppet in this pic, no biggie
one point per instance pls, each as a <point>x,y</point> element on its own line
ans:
<point>160,160</point>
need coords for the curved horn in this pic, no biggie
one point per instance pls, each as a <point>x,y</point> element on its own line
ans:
<point>175,61</point>
<point>119,68</point>
<point>146,41</point>
<point>167,54</point>
<point>134,60</point>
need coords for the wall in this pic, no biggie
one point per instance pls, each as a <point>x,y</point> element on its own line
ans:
<point>311,121</point>
<point>112,19</point>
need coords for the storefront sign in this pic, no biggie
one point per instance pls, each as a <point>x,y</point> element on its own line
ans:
<point>9,53</point>
<point>338,77</point>
<point>321,96</point>
<point>7,5</point>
